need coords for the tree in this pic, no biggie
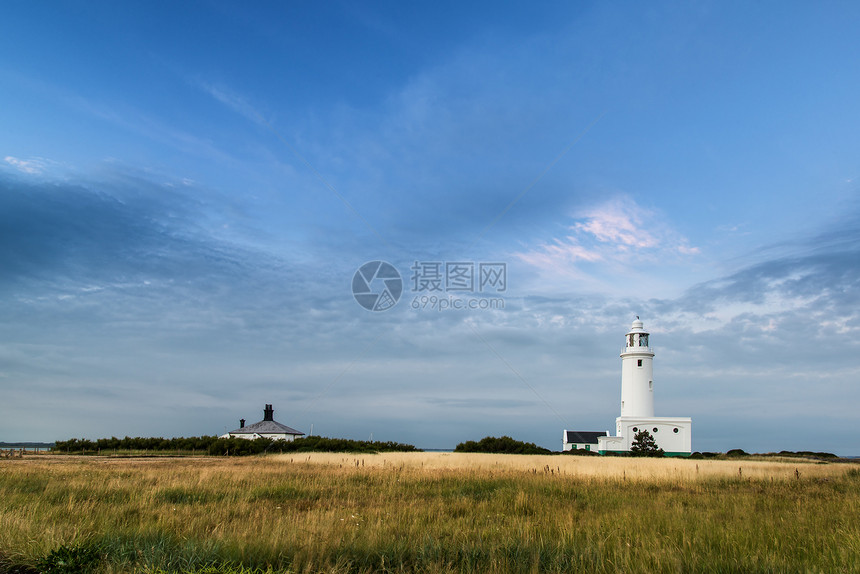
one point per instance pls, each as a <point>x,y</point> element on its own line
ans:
<point>645,445</point>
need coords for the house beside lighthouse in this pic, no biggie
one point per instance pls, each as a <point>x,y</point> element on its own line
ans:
<point>672,434</point>
<point>266,428</point>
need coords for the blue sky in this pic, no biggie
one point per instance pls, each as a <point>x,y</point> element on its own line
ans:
<point>186,191</point>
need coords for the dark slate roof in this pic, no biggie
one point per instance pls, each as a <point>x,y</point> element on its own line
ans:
<point>266,427</point>
<point>584,437</point>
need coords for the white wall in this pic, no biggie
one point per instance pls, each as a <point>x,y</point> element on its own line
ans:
<point>665,435</point>
<point>252,436</point>
<point>580,446</point>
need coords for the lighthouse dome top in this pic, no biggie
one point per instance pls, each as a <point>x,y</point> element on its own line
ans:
<point>637,326</point>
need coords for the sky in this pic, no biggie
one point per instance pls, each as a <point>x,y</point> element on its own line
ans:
<point>188,191</point>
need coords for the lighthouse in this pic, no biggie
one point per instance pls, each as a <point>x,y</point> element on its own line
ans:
<point>637,382</point>
<point>672,434</point>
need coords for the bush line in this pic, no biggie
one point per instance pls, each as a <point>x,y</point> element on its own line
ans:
<point>217,446</point>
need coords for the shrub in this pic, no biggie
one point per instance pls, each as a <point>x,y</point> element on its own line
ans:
<point>645,445</point>
<point>501,445</point>
<point>70,560</point>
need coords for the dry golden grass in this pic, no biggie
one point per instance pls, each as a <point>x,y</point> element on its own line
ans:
<point>647,469</point>
<point>434,512</point>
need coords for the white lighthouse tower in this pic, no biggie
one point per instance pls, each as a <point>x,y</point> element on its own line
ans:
<point>637,382</point>
<point>672,434</point>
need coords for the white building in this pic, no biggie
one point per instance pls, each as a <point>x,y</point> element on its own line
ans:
<point>266,428</point>
<point>672,434</point>
<point>581,440</point>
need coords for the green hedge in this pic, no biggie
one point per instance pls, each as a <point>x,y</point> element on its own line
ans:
<point>214,445</point>
<point>503,445</point>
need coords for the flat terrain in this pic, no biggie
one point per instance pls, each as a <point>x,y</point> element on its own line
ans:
<point>430,512</point>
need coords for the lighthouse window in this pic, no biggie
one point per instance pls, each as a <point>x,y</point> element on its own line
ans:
<point>643,340</point>
<point>675,430</point>
<point>635,429</point>
<point>638,362</point>
<point>650,385</point>
<point>655,429</point>
<point>629,340</point>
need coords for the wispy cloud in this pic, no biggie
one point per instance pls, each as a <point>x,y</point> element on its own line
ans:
<point>234,101</point>
<point>617,223</point>
<point>32,166</point>
<point>122,114</point>
<point>123,226</point>
<point>611,232</point>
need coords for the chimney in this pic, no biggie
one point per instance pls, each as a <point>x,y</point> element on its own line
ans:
<point>268,412</point>
<point>241,423</point>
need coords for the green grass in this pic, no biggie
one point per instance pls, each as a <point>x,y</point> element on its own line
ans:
<point>266,515</point>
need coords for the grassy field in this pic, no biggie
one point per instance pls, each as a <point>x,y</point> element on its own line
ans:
<point>427,512</point>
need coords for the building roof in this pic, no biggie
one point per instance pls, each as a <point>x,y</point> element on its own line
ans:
<point>583,437</point>
<point>266,427</point>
